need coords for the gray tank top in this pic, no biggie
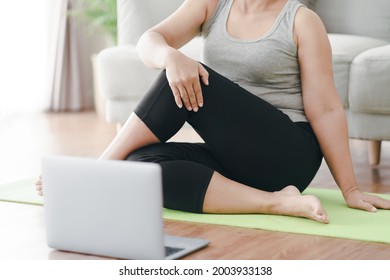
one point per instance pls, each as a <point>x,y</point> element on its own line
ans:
<point>267,67</point>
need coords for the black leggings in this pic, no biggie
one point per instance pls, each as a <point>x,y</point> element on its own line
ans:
<point>246,140</point>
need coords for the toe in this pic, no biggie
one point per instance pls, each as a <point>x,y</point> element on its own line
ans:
<point>322,218</point>
<point>325,219</point>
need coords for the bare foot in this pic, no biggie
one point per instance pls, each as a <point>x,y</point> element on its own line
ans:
<point>292,203</point>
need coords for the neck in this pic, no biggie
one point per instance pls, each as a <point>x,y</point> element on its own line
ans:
<point>250,6</point>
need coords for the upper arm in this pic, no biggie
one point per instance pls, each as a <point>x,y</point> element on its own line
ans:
<point>315,60</point>
<point>186,22</point>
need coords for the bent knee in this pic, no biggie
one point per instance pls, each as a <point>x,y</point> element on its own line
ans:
<point>156,153</point>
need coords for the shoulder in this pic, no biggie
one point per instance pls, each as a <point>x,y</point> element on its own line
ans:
<point>308,26</point>
<point>204,7</point>
<point>308,22</point>
<point>306,15</point>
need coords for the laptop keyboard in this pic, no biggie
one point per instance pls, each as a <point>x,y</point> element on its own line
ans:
<point>172,250</point>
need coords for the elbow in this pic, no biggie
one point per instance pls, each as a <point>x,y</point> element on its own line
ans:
<point>146,46</point>
<point>323,103</point>
<point>147,37</point>
<point>316,113</point>
<point>142,42</point>
<point>139,47</point>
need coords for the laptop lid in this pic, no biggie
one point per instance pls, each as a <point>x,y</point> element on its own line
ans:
<point>108,208</point>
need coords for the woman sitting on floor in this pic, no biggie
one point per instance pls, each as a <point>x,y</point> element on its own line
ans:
<point>265,105</point>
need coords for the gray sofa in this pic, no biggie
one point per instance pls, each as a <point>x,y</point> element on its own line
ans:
<point>359,32</point>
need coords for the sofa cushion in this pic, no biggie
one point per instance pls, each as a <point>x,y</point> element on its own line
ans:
<point>345,48</point>
<point>369,84</point>
<point>356,17</point>
<point>368,126</point>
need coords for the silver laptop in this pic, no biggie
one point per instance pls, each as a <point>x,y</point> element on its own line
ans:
<point>108,208</point>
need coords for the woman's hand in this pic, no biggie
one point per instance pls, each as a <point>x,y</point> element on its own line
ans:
<point>358,200</point>
<point>38,186</point>
<point>183,76</point>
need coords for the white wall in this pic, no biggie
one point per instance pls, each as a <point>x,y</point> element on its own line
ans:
<point>23,55</point>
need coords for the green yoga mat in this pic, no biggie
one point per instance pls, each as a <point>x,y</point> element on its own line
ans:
<point>22,191</point>
<point>344,222</point>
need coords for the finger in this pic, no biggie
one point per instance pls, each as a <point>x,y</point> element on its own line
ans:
<point>192,97</point>
<point>204,75</point>
<point>364,206</point>
<point>198,93</point>
<point>38,187</point>
<point>176,95</point>
<point>184,97</point>
<point>381,203</point>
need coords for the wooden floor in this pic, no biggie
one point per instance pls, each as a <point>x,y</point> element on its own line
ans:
<point>24,137</point>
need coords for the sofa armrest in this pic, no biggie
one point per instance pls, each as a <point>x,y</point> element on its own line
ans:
<point>121,75</point>
<point>369,86</point>
<point>345,48</point>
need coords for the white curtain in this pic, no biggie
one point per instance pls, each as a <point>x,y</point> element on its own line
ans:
<point>23,56</point>
<point>70,67</point>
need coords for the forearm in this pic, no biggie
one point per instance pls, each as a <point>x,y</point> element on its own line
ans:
<point>154,50</point>
<point>332,133</point>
